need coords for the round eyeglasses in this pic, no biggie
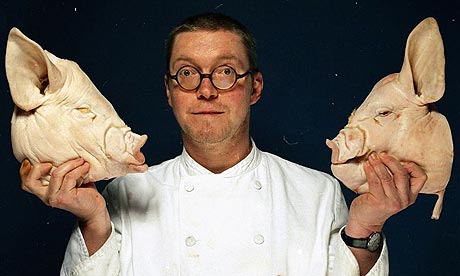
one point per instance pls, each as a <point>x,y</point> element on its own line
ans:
<point>222,78</point>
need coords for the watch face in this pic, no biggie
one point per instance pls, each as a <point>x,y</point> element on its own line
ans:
<point>374,241</point>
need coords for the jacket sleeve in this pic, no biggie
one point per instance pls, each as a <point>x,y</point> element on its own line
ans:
<point>105,261</point>
<point>342,262</point>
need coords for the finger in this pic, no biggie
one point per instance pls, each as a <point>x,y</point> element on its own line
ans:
<point>31,177</point>
<point>385,177</point>
<point>400,176</point>
<point>66,175</point>
<point>24,171</point>
<point>29,172</point>
<point>57,176</point>
<point>25,168</point>
<point>75,177</point>
<point>375,187</point>
<point>418,178</point>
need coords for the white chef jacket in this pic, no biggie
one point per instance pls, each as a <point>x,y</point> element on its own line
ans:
<point>264,216</point>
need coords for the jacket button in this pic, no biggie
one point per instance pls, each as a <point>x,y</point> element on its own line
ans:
<point>259,239</point>
<point>189,187</point>
<point>190,241</point>
<point>257,185</point>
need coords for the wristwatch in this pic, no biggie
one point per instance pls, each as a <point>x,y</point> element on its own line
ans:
<point>371,243</point>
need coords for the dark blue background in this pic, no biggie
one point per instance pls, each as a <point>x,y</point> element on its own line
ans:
<point>319,58</point>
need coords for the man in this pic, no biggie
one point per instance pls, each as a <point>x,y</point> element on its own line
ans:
<point>223,207</point>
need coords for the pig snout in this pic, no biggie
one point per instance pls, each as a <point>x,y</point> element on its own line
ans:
<point>348,144</point>
<point>348,149</point>
<point>124,146</point>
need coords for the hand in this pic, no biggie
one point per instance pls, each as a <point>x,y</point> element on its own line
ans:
<point>393,186</point>
<point>65,189</point>
<point>68,191</point>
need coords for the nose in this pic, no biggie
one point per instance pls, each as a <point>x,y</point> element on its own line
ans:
<point>206,90</point>
<point>124,145</point>
<point>348,144</point>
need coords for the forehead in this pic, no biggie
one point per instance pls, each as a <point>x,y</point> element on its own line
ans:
<point>207,48</point>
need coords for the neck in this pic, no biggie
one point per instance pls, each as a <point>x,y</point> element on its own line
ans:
<point>220,156</point>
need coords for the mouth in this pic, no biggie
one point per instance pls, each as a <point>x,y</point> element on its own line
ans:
<point>349,161</point>
<point>208,113</point>
<point>138,155</point>
<point>354,160</point>
<point>345,154</point>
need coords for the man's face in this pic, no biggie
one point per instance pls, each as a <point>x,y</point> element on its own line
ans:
<point>209,115</point>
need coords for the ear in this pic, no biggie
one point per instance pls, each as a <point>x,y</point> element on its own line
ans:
<point>168,90</point>
<point>423,69</point>
<point>30,72</point>
<point>257,87</point>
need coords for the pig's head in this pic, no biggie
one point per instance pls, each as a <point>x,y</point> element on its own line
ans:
<point>398,117</point>
<point>60,115</point>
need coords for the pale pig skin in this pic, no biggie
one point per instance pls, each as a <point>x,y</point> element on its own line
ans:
<point>60,115</point>
<point>397,118</point>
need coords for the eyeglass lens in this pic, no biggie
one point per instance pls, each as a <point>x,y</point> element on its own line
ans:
<point>222,77</point>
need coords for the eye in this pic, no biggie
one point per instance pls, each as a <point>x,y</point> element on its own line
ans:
<point>186,72</point>
<point>384,113</point>
<point>83,112</point>
<point>223,71</point>
<point>227,71</point>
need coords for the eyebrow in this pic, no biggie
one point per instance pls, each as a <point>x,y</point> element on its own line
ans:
<point>219,60</point>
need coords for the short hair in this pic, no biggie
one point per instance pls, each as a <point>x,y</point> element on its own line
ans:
<point>213,22</point>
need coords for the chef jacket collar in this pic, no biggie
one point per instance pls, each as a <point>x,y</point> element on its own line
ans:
<point>191,168</point>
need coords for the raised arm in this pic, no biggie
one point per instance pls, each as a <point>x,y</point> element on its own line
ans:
<point>68,191</point>
<point>393,186</point>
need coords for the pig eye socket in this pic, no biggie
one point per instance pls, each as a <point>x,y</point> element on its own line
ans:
<point>384,113</point>
<point>83,112</point>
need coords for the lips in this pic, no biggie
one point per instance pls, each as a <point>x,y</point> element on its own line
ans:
<point>208,112</point>
<point>348,153</point>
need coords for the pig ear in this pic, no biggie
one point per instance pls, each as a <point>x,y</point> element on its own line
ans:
<point>423,68</point>
<point>31,74</point>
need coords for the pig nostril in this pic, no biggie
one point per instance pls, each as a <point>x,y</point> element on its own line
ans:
<point>129,138</point>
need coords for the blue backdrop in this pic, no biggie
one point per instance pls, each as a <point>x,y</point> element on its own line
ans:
<point>319,58</point>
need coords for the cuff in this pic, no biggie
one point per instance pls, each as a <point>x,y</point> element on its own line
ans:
<point>346,263</point>
<point>77,261</point>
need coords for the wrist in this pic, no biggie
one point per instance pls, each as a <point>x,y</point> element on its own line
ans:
<point>96,231</point>
<point>99,224</point>
<point>372,243</point>
<point>356,230</point>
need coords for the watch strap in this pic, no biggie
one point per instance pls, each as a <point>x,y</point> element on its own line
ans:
<point>363,242</point>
